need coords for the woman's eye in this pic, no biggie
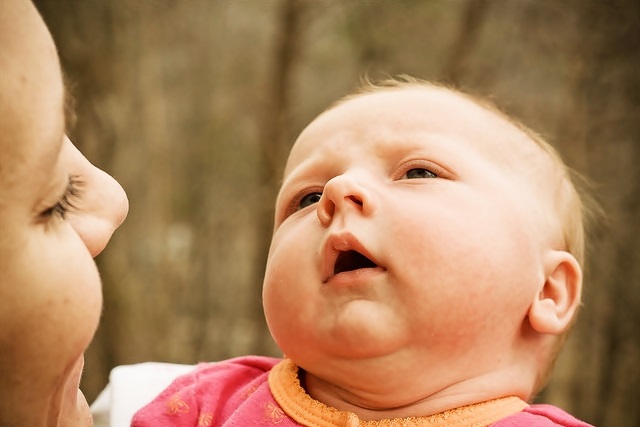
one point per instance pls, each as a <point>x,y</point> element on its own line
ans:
<point>309,200</point>
<point>67,202</point>
<point>417,173</point>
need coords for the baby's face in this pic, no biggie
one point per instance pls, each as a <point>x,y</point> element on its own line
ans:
<point>402,236</point>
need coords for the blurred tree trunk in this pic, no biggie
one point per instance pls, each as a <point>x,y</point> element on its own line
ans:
<point>275,138</point>
<point>599,375</point>
<point>470,25</point>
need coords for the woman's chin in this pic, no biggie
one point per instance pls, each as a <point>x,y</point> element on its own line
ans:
<point>73,408</point>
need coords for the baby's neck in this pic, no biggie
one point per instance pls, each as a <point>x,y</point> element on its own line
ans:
<point>376,400</point>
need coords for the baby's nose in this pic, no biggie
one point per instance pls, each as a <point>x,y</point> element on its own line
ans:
<point>344,192</point>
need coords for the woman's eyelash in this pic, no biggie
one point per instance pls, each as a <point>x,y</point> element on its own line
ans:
<point>67,202</point>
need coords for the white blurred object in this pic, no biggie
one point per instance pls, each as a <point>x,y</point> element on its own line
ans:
<point>130,388</point>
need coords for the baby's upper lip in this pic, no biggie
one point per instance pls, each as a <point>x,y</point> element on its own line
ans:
<point>341,249</point>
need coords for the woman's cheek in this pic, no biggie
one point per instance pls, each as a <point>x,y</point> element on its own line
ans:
<point>71,291</point>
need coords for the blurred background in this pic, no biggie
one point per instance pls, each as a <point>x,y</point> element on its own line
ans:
<point>193,105</point>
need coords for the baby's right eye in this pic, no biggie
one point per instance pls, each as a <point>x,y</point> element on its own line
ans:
<point>309,199</point>
<point>304,198</point>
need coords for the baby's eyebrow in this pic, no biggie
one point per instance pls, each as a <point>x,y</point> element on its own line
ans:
<point>304,170</point>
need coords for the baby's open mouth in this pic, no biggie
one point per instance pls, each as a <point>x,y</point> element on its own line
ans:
<point>352,260</point>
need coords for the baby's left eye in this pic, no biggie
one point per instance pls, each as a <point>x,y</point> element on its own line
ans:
<point>417,173</point>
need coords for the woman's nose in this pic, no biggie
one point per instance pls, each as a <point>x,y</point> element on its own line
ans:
<point>343,193</point>
<point>101,207</point>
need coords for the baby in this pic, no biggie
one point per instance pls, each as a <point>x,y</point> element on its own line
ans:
<point>424,269</point>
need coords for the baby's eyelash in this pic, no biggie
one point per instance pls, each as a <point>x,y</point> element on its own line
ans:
<point>67,202</point>
<point>437,170</point>
<point>294,205</point>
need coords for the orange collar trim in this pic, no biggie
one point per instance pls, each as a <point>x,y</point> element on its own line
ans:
<point>293,399</point>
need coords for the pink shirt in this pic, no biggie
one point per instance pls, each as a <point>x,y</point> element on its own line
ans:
<point>541,416</point>
<point>262,391</point>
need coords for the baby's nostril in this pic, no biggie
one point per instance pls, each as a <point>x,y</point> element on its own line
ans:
<point>329,209</point>
<point>355,199</point>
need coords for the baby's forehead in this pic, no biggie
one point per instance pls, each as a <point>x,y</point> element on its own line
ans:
<point>398,112</point>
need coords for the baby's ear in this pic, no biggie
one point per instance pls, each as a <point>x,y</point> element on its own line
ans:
<point>557,301</point>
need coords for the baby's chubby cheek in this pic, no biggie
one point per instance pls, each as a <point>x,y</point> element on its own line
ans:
<point>281,298</point>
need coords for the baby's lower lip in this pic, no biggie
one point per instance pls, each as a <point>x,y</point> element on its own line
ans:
<point>354,277</point>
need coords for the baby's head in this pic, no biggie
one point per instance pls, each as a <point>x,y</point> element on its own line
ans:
<point>425,245</point>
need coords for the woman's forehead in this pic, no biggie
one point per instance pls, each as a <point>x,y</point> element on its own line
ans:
<point>31,91</point>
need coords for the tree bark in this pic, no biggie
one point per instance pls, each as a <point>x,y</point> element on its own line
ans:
<point>275,140</point>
